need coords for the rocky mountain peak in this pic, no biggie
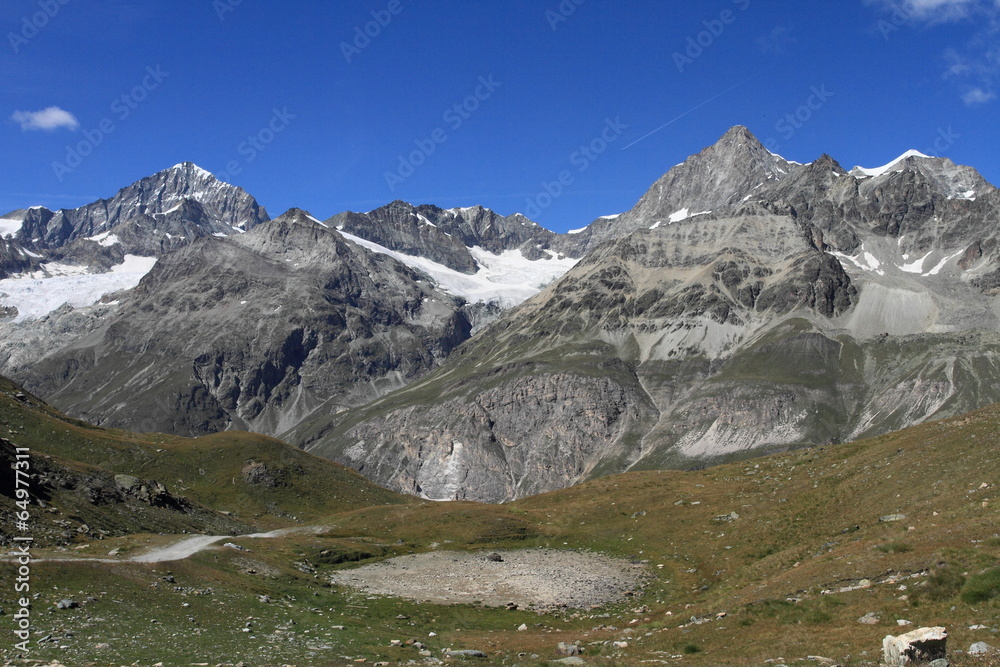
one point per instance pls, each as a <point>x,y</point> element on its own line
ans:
<point>170,207</point>
<point>719,177</point>
<point>827,163</point>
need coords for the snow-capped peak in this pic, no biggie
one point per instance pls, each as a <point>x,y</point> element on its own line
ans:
<point>878,171</point>
<point>182,166</point>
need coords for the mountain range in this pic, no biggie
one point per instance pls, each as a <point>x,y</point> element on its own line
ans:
<point>745,304</point>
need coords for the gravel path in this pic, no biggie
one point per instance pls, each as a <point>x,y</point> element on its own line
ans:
<point>537,578</point>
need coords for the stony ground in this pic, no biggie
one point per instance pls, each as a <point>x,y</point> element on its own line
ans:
<point>537,578</point>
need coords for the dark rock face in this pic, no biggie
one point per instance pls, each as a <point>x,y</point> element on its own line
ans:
<point>256,331</point>
<point>14,259</point>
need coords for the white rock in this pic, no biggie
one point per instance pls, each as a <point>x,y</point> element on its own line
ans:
<point>920,645</point>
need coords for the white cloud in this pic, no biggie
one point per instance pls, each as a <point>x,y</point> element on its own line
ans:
<point>974,66</point>
<point>48,119</point>
<point>977,96</point>
<point>941,8</point>
<point>935,11</point>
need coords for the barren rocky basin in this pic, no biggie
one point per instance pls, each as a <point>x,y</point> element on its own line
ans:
<point>537,578</point>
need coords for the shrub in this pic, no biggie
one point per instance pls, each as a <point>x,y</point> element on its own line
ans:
<point>943,584</point>
<point>981,587</point>
<point>894,548</point>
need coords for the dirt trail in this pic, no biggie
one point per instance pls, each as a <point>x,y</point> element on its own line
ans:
<point>186,547</point>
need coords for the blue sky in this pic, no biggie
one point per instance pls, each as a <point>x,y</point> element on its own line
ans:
<point>296,104</point>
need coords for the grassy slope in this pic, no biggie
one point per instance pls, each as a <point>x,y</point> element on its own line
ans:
<point>292,486</point>
<point>808,521</point>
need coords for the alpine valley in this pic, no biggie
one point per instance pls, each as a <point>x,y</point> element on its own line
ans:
<point>746,304</point>
<point>751,421</point>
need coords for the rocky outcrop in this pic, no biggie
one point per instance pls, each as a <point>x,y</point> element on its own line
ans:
<point>527,434</point>
<point>96,503</point>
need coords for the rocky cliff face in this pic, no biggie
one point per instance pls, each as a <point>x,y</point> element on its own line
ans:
<point>256,331</point>
<point>810,306</point>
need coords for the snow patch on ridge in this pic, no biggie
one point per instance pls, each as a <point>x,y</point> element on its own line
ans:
<point>678,216</point>
<point>105,239</point>
<point>878,171</point>
<point>195,168</point>
<point>916,266</point>
<point>864,260</point>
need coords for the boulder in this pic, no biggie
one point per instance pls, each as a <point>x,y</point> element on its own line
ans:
<point>127,483</point>
<point>980,648</point>
<point>564,648</point>
<point>921,645</point>
<point>465,653</point>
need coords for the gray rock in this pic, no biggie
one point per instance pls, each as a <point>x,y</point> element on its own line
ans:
<point>465,653</point>
<point>67,604</point>
<point>871,618</point>
<point>565,648</point>
<point>980,648</point>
